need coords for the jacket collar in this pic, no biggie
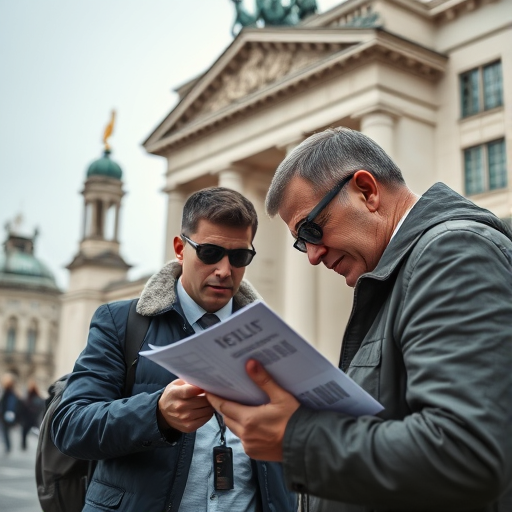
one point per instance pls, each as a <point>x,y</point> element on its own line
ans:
<point>439,204</point>
<point>159,294</point>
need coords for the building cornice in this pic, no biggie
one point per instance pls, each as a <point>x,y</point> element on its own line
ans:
<point>367,45</point>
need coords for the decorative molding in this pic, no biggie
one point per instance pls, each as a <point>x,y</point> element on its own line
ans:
<point>268,87</point>
<point>257,65</point>
<point>378,109</point>
<point>447,10</point>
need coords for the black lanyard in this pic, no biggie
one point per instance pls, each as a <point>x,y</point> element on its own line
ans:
<point>222,460</point>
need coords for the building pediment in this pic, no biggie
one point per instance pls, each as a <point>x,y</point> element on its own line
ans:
<point>256,66</point>
<point>262,65</point>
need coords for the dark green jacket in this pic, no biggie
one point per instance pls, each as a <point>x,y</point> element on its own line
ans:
<point>430,337</point>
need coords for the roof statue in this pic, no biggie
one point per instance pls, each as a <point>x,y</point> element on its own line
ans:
<point>109,129</point>
<point>306,8</point>
<point>272,13</point>
<point>104,166</point>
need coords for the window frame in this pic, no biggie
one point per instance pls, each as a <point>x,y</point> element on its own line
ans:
<point>484,157</point>
<point>482,102</point>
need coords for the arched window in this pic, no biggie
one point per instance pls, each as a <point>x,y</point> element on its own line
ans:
<point>12,331</point>
<point>32,337</point>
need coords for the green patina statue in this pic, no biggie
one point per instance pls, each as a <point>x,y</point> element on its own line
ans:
<point>273,13</point>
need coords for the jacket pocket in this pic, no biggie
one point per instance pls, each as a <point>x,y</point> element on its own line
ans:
<point>365,367</point>
<point>104,496</point>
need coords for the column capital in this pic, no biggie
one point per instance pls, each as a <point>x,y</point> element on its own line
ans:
<point>232,177</point>
<point>379,108</point>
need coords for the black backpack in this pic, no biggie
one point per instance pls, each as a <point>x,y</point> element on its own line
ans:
<point>62,480</point>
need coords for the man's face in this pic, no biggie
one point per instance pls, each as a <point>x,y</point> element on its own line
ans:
<point>212,286</point>
<point>352,243</point>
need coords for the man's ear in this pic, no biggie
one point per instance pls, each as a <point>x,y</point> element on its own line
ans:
<point>369,188</point>
<point>179,247</point>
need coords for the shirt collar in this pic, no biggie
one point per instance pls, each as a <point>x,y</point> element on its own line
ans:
<point>401,221</point>
<point>193,311</point>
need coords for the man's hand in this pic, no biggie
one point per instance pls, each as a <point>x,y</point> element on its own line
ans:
<point>181,407</point>
<point>260,428</point>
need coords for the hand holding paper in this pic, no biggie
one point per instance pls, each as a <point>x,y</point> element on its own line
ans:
<point>260,428</point>
<point>214,360</point>
<point>183,407</point>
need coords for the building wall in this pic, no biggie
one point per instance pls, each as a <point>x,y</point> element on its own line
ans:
<point>474,39</point>
<point>415,117</point>
<point>30,308</point>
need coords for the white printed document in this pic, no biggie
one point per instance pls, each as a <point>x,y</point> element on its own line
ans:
<point>214,360</point>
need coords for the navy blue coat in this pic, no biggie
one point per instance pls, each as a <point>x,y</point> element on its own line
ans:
<point>138,469</point>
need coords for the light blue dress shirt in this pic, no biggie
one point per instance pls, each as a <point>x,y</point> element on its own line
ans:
<point>200,494</point>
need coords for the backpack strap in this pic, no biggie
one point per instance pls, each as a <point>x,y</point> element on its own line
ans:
<point>137,326</point>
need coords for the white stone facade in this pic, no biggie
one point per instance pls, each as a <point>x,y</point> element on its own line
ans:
<point>389,68</point>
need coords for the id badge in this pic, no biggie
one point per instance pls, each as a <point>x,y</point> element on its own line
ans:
<point>223,468</point>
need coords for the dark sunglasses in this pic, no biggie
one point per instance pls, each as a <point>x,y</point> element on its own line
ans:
<point>210,254</point>
<point>308,231</point>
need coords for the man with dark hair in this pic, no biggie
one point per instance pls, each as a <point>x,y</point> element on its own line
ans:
<point>429,336</point>
<point>155,449</point>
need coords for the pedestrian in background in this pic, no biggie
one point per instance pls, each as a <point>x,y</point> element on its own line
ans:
<point>31,412</point>
<point>9,407</point>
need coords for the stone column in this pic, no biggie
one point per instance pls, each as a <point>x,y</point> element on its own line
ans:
<point>300,287</point>
<point>379,124</point>
<point>175,202</point>
<point>116,223</point>
<point>84,220</point>
<point>232,178</point>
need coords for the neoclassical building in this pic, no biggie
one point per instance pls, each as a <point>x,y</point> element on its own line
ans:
<point>429,81</point>
<point>29,311</point>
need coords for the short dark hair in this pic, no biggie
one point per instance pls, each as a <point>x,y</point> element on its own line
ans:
<point>221,206</point>
<point>327,157</point>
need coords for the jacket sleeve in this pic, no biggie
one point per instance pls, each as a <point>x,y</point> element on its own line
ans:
<point>454,450</point>
<point>93,420</point>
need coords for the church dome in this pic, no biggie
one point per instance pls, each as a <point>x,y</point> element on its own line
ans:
<point>19,268</point>
<point>104,166</point>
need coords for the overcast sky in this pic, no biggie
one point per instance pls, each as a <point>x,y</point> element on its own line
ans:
<point>64,65</point>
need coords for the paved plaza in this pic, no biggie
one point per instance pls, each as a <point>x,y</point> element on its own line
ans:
<point>17,479</point>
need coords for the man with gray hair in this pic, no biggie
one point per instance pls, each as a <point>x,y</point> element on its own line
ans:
<point>429,337</point>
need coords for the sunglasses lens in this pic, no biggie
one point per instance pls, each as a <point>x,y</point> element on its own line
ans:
<point>300,245</point>
<point>311,233</point>
<point>240,257</point>
<point>210,254</point>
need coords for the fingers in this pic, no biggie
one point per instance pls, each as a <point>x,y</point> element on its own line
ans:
<point>232,412</point>
<point>184,407</point>
<point>264,380</point>
<point>260,428</point>
<point>183,390</point>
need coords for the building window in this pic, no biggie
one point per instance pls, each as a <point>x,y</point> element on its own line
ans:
<point>12,328</point>
<point>485,167</point>
<point>32,337</point>
<point>481,89</point>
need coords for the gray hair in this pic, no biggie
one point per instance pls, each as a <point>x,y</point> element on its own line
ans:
<point>327,157</point>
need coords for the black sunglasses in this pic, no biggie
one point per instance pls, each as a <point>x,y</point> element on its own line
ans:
<point>210,254</point>
<point>308,231</point>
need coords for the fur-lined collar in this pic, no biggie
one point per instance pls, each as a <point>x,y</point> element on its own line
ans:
<point>159,293</point>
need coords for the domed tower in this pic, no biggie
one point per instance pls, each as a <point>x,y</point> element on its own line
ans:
<point>98,262</point>
<point>103,191</point>
<point>29,309</point>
